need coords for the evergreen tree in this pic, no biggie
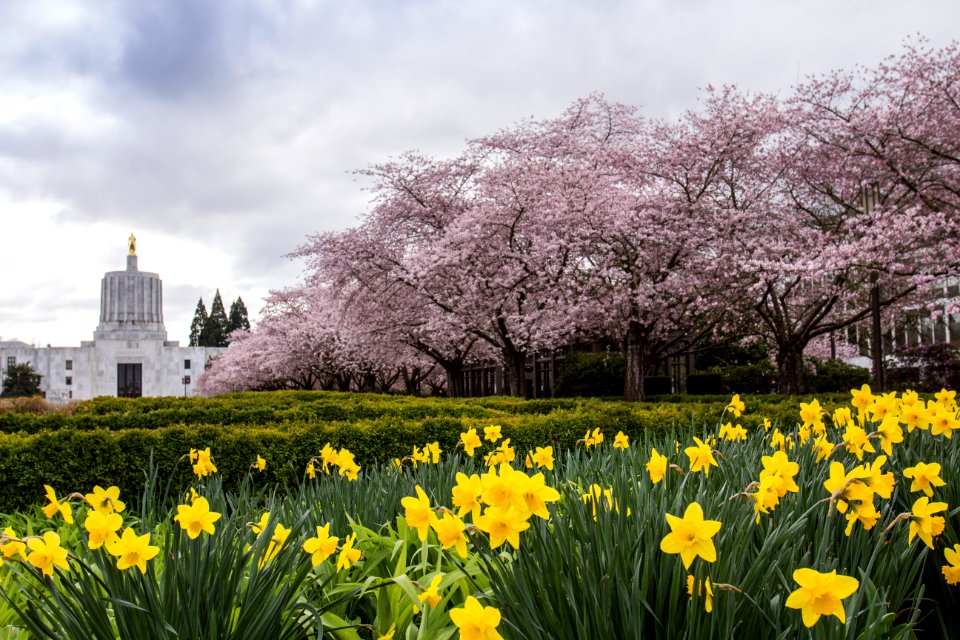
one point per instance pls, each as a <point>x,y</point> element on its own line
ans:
<point>21,381</point>
<point>238,316</point>
<point>214,332</point>
<point>199,320</point>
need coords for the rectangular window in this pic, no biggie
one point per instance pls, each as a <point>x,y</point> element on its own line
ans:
<point>11,361</point>
<point>186,364</point>
<point>69,365</point>
<point>69,380</point>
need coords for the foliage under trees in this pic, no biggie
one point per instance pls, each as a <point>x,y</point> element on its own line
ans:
<point>746,217</point>
<point>21,380</point>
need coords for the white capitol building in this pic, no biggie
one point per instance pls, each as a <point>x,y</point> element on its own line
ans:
<point>129,355</point>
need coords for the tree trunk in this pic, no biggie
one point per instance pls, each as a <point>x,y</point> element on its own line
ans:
<point>790,368</point>
<point>454,371</point>
<point>516,377</point>
<point>411,380</point>
<point>638,361</point>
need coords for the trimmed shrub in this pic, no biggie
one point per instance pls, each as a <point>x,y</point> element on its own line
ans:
<point>821,376</point>
<point>591,375</point>
<point>704,384</point>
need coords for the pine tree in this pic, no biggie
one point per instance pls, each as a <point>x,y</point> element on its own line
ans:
<point>199,321</point>
<point>214,332</point>
<point>21,381</point>
<point>238,317</point>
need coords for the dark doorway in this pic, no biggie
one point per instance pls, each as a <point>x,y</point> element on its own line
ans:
<point>129,380</point>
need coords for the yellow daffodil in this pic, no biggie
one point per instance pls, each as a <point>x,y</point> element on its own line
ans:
<point>704,585</point>
<point>492,433</point>
<point>923,523</point>
<point>196,518</point>
<point>592,438</point>
<point>890,434</point>
<point>863,512</point>
<point>943,422</point>
<point>504,525</point>
<point>543,457</point>
<point>848,487</point>
<point>132,550</point>
<point>470,441</point>
<point>951,570</point>
<point>311,471</point>
<point>915,416</point>
<point>450,531</point>
<point>389,635</point>
<point>55,506</point>
<point>328,457</point>
<point>621,441</point>
<point>467,493</point>
<point>105,500</point>
<point>348,555</point>
<point>925,477</point>
<point>321,546</point>
<point>736,406</point>
<point>946,397</point>
<point>536,494</point>
<point>780,468</point>
<point>475,621</point>
<point>701,457</point>
<point>656,466</point>
<point>260,464</point>
<point>13,547</point>
<point>767,497</point>
<point>862,398</point>
<point>504,489</point>
<point>431,595</point>
<point>823,447</point>
<point>842,417</point>
<point>820,594</point>
<point>879,482</point>
<point>418,512</point>
<point>691,536</point>
<point>102,529</point>
<point>733,433</point>
<point>347,466</point>
<point>811,413</point>
<point>46,553</point>
<point>204,465</point>
<point>277,540</point>
<point>857,441</point>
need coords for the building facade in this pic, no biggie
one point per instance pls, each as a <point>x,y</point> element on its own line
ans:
<point>129,355</point>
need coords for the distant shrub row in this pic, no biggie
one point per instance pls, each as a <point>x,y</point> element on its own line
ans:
<point>311,407</point>
<point>74,459</point>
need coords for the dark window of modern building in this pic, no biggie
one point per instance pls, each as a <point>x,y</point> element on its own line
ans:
<point>69,365</point>
<point>186,364</point>
<point>69,380</point>
<point>11,361</point>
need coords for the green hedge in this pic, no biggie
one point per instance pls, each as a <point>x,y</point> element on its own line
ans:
<point>76,460</point>
<point>294,407</point>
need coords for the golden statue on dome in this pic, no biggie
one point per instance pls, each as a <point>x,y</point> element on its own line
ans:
<point>132,242</point>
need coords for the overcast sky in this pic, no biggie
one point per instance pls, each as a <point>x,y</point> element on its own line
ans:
<point>222,133</point>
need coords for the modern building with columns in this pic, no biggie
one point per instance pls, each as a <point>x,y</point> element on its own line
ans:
<point>129,355</point>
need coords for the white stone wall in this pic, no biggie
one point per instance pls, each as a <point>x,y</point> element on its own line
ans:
<point>94,371</point>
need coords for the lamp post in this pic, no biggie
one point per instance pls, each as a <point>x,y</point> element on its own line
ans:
<point>870,196</point>
<point>185,380</point>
